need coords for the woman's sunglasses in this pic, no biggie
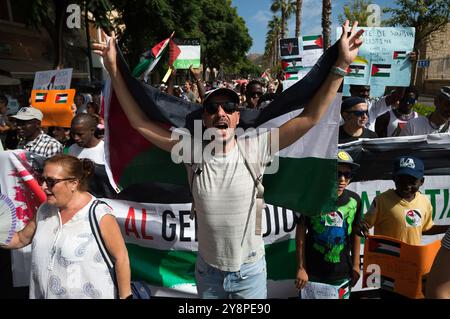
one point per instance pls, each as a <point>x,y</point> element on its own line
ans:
<point>51,182</point>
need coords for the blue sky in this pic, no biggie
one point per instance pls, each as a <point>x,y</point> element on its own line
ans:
<point>256,14</point>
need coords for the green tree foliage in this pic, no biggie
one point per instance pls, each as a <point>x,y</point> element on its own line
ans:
<point>355,10</point>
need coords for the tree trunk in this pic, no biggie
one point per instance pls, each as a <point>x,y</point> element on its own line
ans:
<point>88,40</point>
<point>326,23</point>
<point>283,23</point>
<point>298,17</point>
<point>60,13</point>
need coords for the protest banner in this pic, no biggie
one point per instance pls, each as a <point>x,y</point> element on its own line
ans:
<point>189,55</point>
<point>383,57</point>
<point>53,79</point>
<point>402,267</point>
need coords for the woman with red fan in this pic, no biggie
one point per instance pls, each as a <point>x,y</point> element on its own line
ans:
<point>70,235</point>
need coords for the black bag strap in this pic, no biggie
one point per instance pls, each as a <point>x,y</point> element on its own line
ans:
<point>95,228</point>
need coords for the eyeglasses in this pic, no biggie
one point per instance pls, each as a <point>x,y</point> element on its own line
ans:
<point>51,182</point>
<point>409,101</point>
<point>346,175</point>
<point>228,107</point>
<point>359,113</point>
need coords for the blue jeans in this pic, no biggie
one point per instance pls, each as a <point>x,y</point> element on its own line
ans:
<point>250,282</point>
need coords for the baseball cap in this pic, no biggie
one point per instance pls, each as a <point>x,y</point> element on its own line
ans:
<point>408,165</point>
<point>28,113</point>
<point>345,158</point>
<point>444,92</point>
<point>222,91</point>
<point>351,101</point>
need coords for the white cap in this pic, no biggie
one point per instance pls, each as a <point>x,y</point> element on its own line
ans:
<point>28,113</point>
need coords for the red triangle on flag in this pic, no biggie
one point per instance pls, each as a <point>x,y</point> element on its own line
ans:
<point>284,64</point>
<point>174,52</point>
<point>375,70</point>
<point>319,42</point>
<point>395,54</point>
<point>157,48</point>
<point>341,292</point>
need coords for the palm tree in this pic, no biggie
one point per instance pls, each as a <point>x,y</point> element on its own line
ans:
<point>287,8</point>
<point>298,17</point>
<point>272,39</point>
<point>326,23</point>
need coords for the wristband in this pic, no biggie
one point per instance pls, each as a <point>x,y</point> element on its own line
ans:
<point>338,71</point>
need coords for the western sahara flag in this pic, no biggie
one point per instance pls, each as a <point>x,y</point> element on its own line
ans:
<point>381,70</point>
<point>312,42</point>
<point>140,162</point>
<point>61,98</point>
<point>355,70</point>
<point>399,55</point>
<point>291,65</point>
<point>41,97</point>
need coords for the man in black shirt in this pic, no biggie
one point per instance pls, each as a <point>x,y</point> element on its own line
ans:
<point>354,111</point>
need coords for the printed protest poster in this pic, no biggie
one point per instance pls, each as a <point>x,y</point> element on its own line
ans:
<point>56,105</point>
<point>189,55</point>
<point>53,80</point>
<point>312,49</point>
<point>383,57</point>
<point>289,48</point>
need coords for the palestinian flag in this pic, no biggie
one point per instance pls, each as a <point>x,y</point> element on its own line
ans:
<point>41,97</point>
<point>381,70</point>
<point>399,55</point>
<point>189,54</point>
<point>384,246</point>
<point>355,70</point>
<point>291,76</point>
<point>61,98</point>
<point>313,42</point>
<point>149,59</point>
<point>291,65</point>
<point>140,162</point>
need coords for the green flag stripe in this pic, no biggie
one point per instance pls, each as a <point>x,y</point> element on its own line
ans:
<point>310,38</point>
<point>170,268</point>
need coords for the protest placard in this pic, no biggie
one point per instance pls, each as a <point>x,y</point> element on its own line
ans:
<point>53,80</point>
<point>56,105</point>
<point>383,57</point>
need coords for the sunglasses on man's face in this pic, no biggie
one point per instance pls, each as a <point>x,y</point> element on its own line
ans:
<point>255,94</point>
<point>346,175</point>
<point>51,182</point>
<point>228,107</point>
<point>359,113</point>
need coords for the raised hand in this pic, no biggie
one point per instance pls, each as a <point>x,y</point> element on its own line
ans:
<point>349,44</point>
<point>108,52</point>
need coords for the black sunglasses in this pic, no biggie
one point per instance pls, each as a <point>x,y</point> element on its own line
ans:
<point>359,113</point>
<point>228,107</point>
<point>346,175</point>
<point>51,182</point>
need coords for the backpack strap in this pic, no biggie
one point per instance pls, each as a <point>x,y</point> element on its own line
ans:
<point>254,169</point>
<point>95,228</point>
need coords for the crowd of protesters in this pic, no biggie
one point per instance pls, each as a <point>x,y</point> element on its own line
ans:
<point>361,116</point>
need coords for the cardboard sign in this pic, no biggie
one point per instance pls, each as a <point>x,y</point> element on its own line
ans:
<point>402,266</point>
<point>189,55</point>
<point>56,105</point>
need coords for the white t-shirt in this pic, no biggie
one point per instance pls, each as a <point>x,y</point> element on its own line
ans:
<point>95,154</point>
<point>376,108</point>
<point>421,126</point>
<point>225,199</point>
<point>66,262</point>
<point>395,122</point>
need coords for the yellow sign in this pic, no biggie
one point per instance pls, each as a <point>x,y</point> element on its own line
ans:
<point>56,105</point>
